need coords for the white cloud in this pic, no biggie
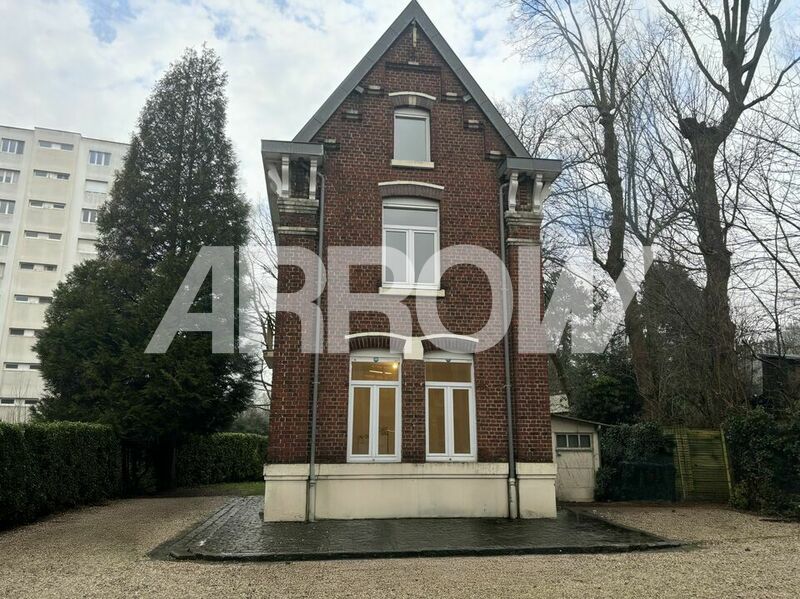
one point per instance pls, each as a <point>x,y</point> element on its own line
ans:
<point>284,57</point>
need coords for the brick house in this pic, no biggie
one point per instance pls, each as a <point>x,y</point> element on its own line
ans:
<point>408,155</point>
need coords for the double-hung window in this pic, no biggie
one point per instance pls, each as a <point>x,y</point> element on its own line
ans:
<point>7,206</point>
<point>373,432</point>
<point>450,408</point>
<point>411,243</point>
<point>4,237</point>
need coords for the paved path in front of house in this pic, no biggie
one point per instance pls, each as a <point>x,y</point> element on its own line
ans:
<point>236,532</point>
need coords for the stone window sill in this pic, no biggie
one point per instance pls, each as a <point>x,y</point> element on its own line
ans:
<point>412,164</point>
<point>410,291</point>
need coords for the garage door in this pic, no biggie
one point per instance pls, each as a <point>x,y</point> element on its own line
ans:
<point>575,461</point>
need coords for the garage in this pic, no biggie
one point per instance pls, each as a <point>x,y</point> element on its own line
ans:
<point>576,450</point>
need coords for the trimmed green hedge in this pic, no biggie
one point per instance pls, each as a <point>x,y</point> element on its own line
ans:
<point>221,458</point>
<point>764,454</point>
<point>635,464</point>
<point>54,466</point>
<point>47,467</point>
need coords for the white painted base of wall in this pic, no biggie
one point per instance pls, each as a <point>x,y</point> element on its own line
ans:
<point>430,490</point>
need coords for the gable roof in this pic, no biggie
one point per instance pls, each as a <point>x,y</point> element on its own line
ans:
<point>413,12</point>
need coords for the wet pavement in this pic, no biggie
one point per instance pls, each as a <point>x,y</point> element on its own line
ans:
<point>236,532</point>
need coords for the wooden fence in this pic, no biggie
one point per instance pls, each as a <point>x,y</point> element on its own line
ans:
<point>702,471</point>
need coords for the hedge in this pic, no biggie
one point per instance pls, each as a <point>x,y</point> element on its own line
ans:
<point>54,466</point>
<point>47,467</point>
<point>764,454</point>
<point>635,464</point>
<point>220,458</point>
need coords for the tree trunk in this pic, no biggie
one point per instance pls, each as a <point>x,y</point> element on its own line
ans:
<point>646,378</point>
<point>643,366</point>
<point>724,388</point>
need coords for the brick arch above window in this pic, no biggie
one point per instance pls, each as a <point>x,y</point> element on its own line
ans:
<point>457,344</point>
<point>411,99</point>
<point>411,189</point>
<point>383,341</point>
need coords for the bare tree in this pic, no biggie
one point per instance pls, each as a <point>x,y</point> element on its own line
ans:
<point>707,109</point>
<point>594,47</point>
<point>262,273</point>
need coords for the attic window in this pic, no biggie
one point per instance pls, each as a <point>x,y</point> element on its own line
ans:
<point>412,135</point>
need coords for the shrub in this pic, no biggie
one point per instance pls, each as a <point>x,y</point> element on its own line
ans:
<point>53,466</point>
<point>221,457</point>
<point>764,454</point>
<point>636,464</point>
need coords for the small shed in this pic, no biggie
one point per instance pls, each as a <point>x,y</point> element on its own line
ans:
<point>576,452</point>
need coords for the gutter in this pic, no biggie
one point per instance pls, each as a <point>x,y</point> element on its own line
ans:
<point>311,495</point>
<point>513,503</point>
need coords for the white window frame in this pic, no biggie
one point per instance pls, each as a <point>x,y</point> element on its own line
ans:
<point>105,158</point>
<point>412,114</point>
<point>50,175</point>
<point>449,455</point>
<point>556,435</point>
<point>7,207</point>
<point>91,212</point>
<point>45,205</point>
<point>9,176</point>
<point>5,238</point>
<point>12,146</point>
<point>409,230</point>
<point>56,145</point>
<point>373,356</point>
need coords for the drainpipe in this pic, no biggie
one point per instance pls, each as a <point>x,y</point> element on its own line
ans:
<point>311,494</point>
<point>513,504</point>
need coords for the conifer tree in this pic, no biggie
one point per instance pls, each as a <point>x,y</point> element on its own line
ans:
<point>176,192</point>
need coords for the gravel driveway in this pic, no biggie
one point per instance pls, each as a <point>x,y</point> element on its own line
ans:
<point>102,552</point>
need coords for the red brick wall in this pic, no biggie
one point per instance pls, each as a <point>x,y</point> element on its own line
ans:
<point>468,215</point>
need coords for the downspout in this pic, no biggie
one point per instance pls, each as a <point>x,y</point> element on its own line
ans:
<point>513,504</point>
<point>311,495</point>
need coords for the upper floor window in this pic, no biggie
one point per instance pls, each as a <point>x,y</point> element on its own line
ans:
<point>2,269</point>
<point>93,186</point>
<point>38,267</point>
<point>412,135</point>
<point>56,145</point>
<point>51,175</point>
<point>99,158</point>
<point>33,299</point>
<point>42,235</point>
<point>89,216</point>
<point>7,206</point>
<point>47,205</point>
<point>22,332</point>
<point>4,237</point>
<point>374,410</point>
<point>8,176</point>
<point>12,146</point>
<point>411,243</point>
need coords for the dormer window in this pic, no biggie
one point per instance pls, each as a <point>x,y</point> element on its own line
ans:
<point>412,137</point>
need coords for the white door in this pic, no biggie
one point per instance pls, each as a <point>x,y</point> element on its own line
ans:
<point>575,462</point>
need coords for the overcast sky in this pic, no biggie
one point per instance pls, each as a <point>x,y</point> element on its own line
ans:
<point>88,66</point>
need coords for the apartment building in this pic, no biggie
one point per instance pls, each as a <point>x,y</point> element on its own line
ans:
<point>51,186</point>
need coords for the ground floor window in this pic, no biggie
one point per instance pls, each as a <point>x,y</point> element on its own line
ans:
<point>450,408</point>
<point>373,431</point>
